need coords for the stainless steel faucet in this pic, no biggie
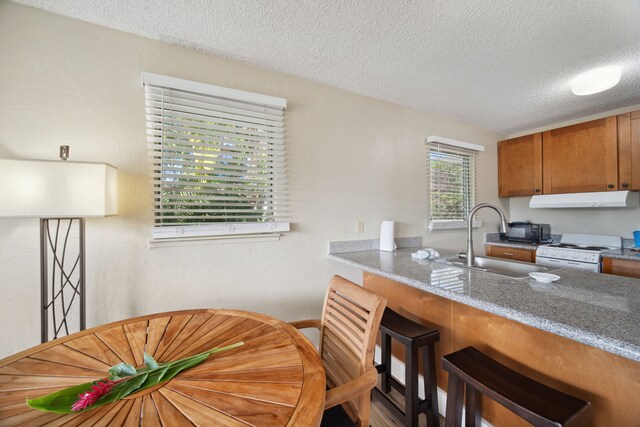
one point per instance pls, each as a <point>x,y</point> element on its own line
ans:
<point>503,229</point>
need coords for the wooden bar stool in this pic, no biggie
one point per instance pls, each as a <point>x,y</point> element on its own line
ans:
<point>414,337</point>
<point>534,402</point>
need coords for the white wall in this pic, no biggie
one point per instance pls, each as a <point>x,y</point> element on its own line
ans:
<point>349,157</point>
<point>620,222</point>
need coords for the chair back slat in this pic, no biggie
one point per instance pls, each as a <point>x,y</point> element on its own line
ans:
<point>346,327</point>
<point>350,321</point>
<point>338,360</point>
<point>354,308</point>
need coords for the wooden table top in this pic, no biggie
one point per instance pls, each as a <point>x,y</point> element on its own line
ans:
<point>275,379</point>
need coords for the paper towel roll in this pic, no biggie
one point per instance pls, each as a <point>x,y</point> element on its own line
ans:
<point>387,230</point>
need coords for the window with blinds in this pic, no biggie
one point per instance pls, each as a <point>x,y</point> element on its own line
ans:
<point>452,185</point>
<point>217,159</point>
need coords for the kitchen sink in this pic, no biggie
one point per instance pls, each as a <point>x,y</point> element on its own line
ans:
<point>501,267</point>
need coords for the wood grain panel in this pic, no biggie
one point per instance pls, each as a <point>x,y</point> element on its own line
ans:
<point>635,150</point>
<point>119,418</point>
<point>520,166</point>
<point>581,158</point>
<point>135,414</point>
<point>621,267</point>
<point>517,254</point>
<point>29,366</point>
<point>169,414</point>
<point>199,339</point>
<point>68,356</point>
<point>156,330</point>
<point>136,334</point>
<point>197,413</point>
<point>117,341</point>
<point>98,349</point>
<point>624,151</point>
<point>33,418</point>
<point>249,411</point>
<point>192,330</point>
<point>173,330</point>
<point>150,416</point>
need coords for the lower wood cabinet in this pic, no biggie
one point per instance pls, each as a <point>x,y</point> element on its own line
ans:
<point>621,267</point>
<point>516,254</point>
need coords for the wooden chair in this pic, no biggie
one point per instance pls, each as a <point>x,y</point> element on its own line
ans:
<point>348,328</point>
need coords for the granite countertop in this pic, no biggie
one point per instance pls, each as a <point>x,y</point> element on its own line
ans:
<point>625,253</point>
<point>599,310</point>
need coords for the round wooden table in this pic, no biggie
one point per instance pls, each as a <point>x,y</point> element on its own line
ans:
<point>275,379</point>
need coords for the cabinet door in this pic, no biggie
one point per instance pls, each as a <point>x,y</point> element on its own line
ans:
<point>621,267</point>
<point>629,151</point>
<point>520,166</point>
<point>581,158</point>
<point>516,254</point>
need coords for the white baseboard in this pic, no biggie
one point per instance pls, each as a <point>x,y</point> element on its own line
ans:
<point>397,372</point>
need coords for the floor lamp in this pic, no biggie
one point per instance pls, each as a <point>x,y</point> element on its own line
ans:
<point>62,194</point>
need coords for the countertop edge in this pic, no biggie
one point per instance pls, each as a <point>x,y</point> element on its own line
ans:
<point>529,246</point>
<point>624,253</point>
<point>611,345</point>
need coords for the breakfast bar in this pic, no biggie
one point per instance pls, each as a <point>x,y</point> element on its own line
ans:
<point>579,334</point>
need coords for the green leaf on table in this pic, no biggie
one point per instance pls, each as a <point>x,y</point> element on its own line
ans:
<point>154,377</point>
<point>174,368</point>
<point>127,387</point>
<point>150,362</point>
<point>128,379</point>
<point>122,370</point>
<point>60,401</point>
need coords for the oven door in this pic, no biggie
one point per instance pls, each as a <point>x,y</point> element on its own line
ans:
<point>563,263</point>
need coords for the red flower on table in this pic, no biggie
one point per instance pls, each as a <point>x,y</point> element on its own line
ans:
<point>98,390</point>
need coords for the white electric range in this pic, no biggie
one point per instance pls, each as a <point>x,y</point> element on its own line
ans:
<point>577,251</point>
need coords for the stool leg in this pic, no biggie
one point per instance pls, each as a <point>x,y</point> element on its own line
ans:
<point>411,388</point>
<point>455,395</point>
<point>431,384</point>
<point>385,356</point>
<point>473,407</point>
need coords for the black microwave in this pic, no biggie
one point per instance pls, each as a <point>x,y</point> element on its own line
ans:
<point>528,232</point>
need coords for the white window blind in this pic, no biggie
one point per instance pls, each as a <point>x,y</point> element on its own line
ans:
<point>452,185</point>
<point>217,159</point>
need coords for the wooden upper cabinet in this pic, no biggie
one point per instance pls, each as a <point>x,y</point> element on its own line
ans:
<point>629,151</point>
<point>581,158</point>
<point>520,166</point>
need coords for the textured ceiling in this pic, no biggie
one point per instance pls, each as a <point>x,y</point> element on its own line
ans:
<point>500,64</point>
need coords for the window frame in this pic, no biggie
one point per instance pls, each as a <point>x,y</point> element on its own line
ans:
<point>466,153</point>
<point>163,228</point>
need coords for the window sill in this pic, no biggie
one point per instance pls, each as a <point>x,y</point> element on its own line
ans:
<point>213,240</point>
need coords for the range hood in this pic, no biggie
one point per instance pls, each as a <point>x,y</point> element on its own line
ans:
<point>603,199</point>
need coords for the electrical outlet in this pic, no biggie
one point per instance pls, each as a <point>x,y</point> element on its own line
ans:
<point>359,226</point>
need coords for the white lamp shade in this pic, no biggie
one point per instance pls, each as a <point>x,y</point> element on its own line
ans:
<point>57,189</point>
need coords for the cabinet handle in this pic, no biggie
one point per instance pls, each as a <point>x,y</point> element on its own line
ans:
<point>537,190</point>
<point>625,185</point>
<point>610,186</point>
<point>508,254</point>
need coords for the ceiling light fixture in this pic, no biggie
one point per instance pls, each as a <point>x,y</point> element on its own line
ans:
<point>596,80</point>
